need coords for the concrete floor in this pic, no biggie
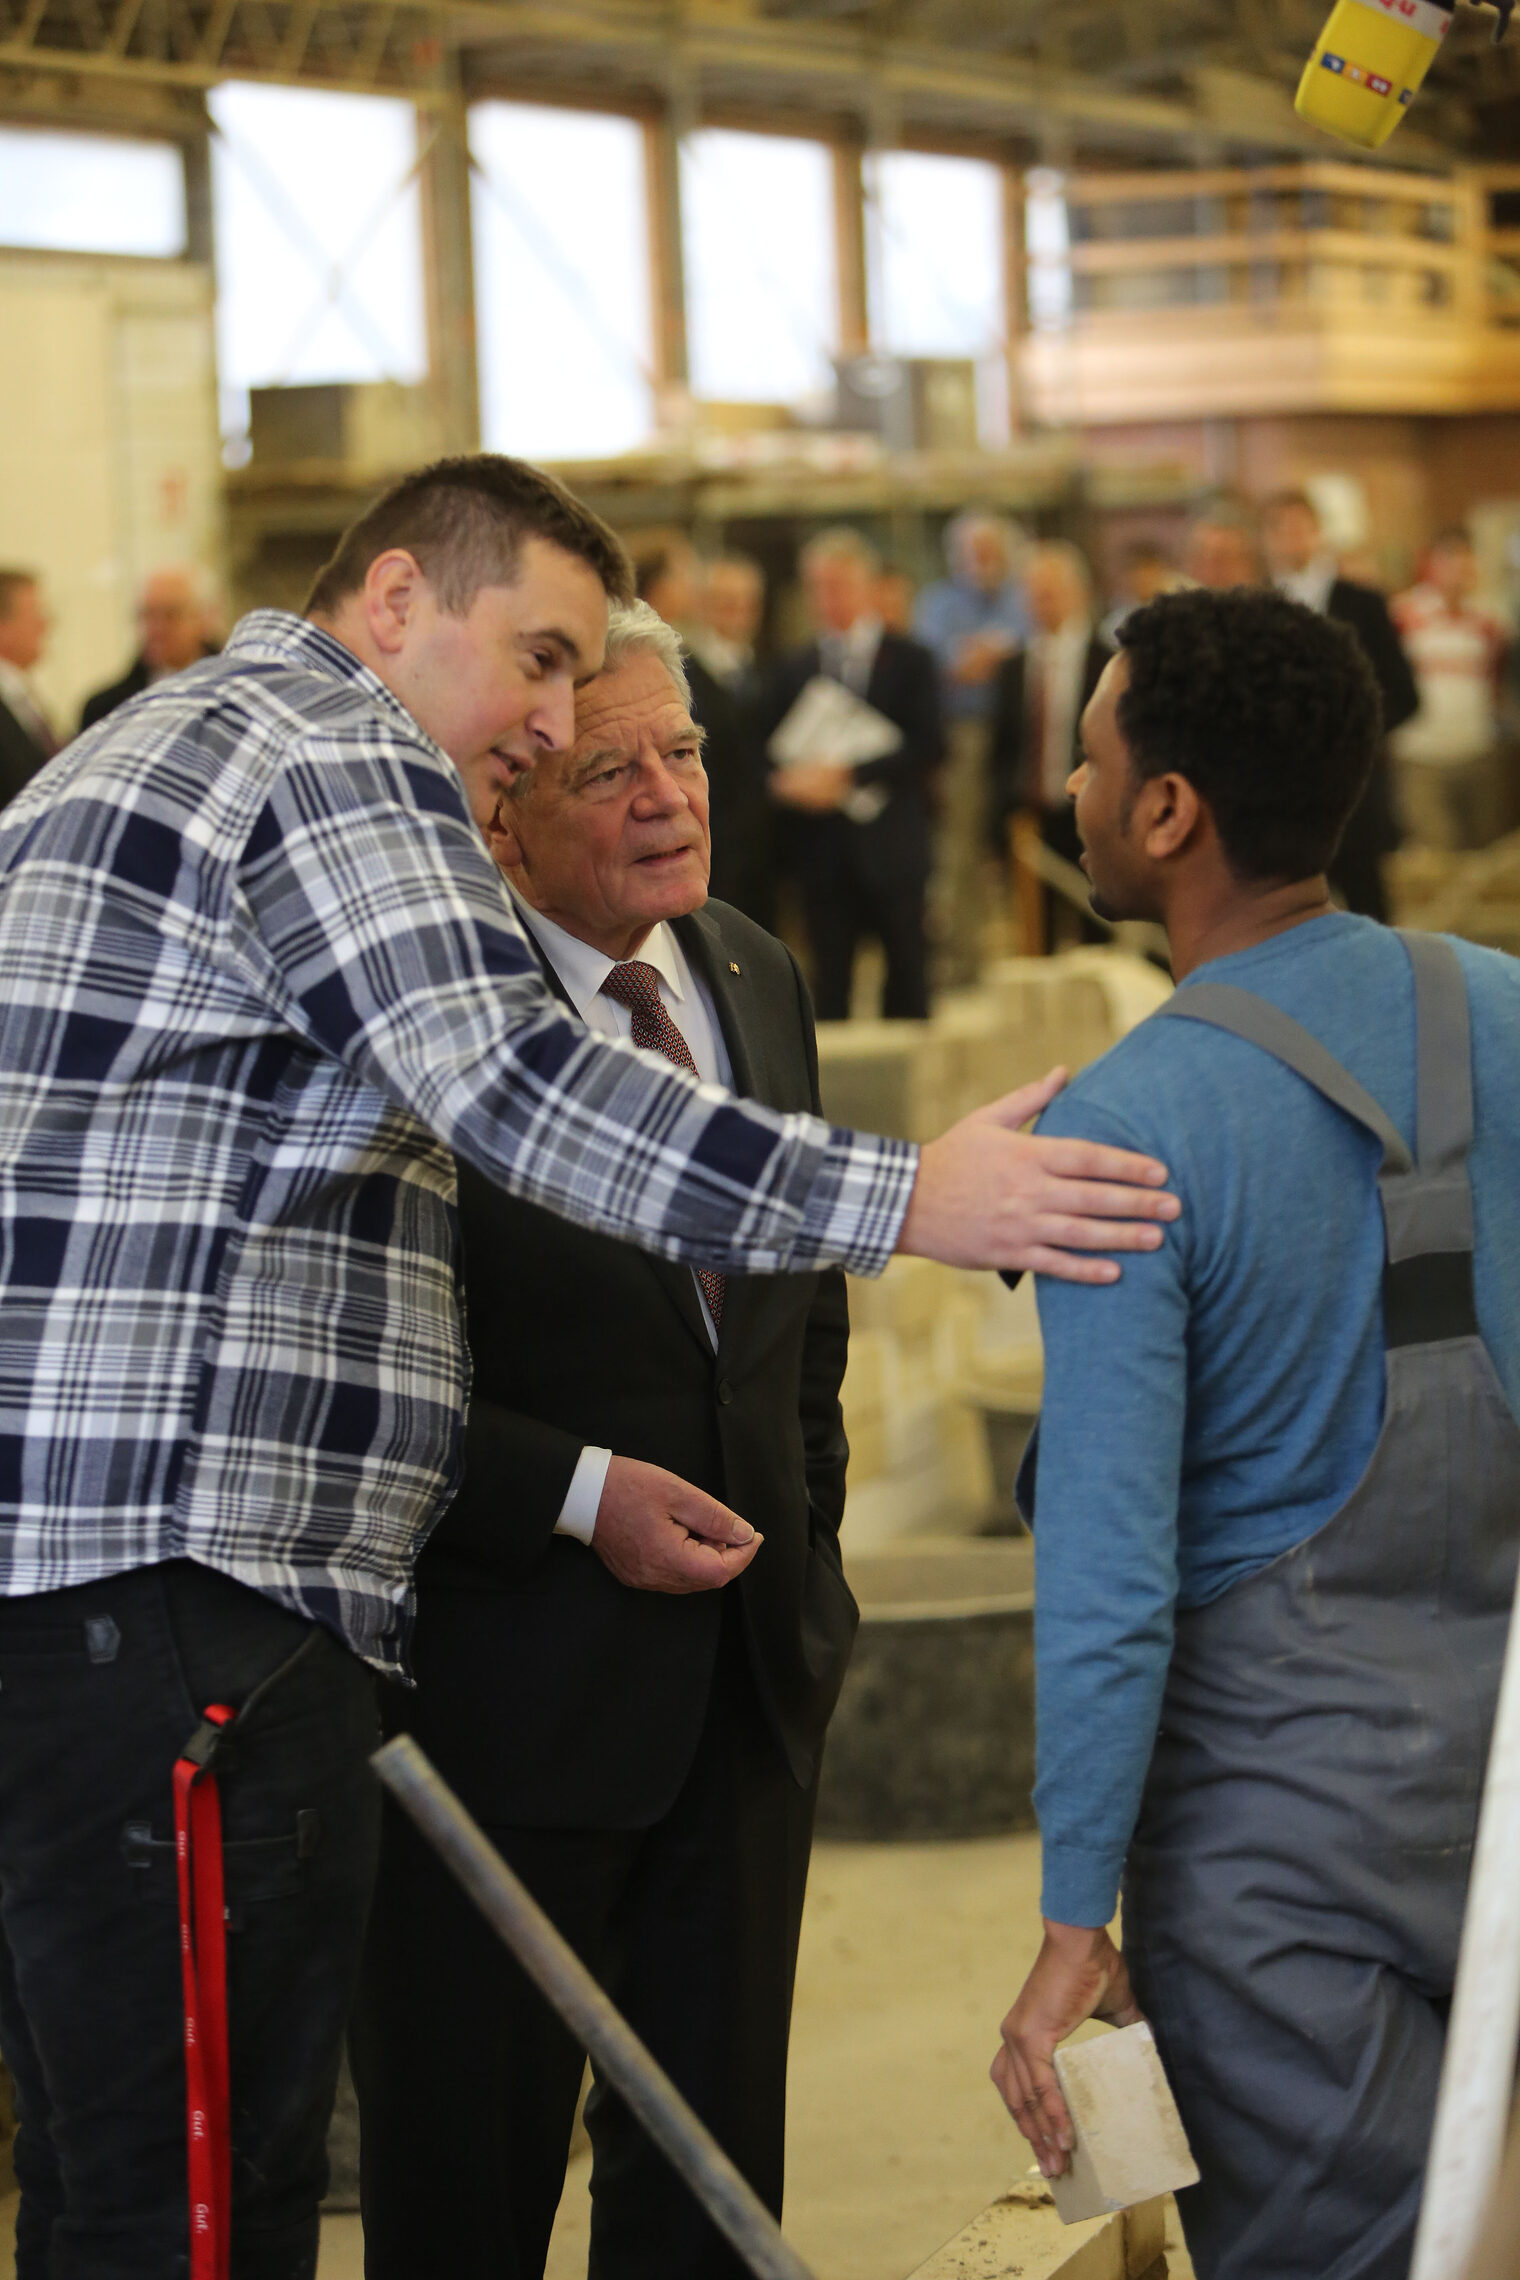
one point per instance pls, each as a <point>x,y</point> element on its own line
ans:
<point>910,1956</point>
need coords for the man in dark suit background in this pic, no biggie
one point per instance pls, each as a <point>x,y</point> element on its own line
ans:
<point>26,733</point>
<point>667,576</point>
<point>174,629</point>
<point>857,839</point>
<point>1039,695</point>
<point>1304,569</point>
<point>625,1684</point>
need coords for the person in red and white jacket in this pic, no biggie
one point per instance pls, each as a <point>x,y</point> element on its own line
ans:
<point>1448,754</point>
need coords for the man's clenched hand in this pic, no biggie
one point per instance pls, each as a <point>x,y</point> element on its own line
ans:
<point>1077,1975</point>
<point>989,1195</point>
<point>658,1533</point>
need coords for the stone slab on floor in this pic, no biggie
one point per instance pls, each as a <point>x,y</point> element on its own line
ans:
<point>934,1733</point>
<point>1021,2237</point>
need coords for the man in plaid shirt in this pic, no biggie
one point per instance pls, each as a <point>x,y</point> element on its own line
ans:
<point>261,983</point>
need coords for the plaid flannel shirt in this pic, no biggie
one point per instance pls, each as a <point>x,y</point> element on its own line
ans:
<point>260,979</point>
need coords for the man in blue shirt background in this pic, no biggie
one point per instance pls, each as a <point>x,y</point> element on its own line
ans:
<point>1276,1478</point>
<point>973,621</point>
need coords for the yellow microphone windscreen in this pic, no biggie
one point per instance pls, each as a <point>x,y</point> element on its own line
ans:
<point>1369,64</point>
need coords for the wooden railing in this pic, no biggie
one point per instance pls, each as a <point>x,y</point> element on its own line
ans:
<point>1313,287</point>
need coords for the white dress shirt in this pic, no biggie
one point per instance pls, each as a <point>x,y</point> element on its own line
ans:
<point>851,657</point>
<point>1311,585</point>
<point>685,998</point>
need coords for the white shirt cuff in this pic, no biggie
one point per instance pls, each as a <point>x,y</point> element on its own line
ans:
<point>584,1495</point>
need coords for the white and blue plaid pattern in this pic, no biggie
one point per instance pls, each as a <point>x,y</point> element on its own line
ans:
<point>260,978</point>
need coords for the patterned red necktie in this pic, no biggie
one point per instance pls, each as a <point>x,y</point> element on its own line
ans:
<point>637,985</point>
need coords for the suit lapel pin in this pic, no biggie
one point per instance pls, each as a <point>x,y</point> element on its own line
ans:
<point>733,969</point>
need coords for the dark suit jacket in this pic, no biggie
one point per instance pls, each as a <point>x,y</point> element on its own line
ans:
<point>132,684</point>
<point>1373,830</point>
<point>552,1695</point>
<point>1369,617</point>
<point>742,816</point>
<point>904,686</point>
<point>20,755</point>
<point>1013,772</point>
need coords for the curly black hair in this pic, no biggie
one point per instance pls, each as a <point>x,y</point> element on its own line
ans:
<point>1270,711</point>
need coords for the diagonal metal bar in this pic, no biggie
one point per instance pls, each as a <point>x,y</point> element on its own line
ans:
<point>25,34</point>
<point>382,16</point>
<point>123,25</point>
<point>218,25</point>
<point>559,1975</point>
<point>303,22</point>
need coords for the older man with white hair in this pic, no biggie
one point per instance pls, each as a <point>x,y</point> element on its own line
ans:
<point>174,624</point>
<point>633,1622</point>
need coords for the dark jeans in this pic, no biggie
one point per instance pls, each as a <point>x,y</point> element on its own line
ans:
<point>101,1686</point>
<point>467,2080</point>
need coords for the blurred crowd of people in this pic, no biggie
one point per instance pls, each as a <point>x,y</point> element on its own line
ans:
<point>976,686</point>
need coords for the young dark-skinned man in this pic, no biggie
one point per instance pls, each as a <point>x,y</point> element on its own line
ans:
<point>1276,1531</point>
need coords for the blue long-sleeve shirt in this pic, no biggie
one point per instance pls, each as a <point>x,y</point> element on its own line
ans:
<point>1220,1402</point>
<point>950,613</point>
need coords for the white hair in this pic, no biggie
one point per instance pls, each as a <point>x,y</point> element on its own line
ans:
<point>200,584</point>
<point>841,544</point>
<point>635,629</point>
<point>966,525</point>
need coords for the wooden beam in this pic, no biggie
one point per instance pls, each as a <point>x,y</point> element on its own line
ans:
<point>449,261</point>
<point>850,267</point>
<point>667,253</point>
<point>1015,290</point>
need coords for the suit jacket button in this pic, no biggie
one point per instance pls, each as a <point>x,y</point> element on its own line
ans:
<point>725,1393</point>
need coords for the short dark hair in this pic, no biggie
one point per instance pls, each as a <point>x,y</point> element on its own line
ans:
<point>12,584</point>
<point>465,520</point>
<point>1452,534</point>
<point>1270,711</point>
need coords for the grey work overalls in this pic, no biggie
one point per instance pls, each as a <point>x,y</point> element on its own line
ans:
<point>1294,1894</point>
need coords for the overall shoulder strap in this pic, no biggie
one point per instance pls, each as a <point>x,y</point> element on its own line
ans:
<point>1427,1207</point>
<point>1443,1029</point>
<point>1261,1023</point>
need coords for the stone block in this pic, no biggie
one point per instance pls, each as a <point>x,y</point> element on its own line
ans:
<point>1021,2237</point>
<point>884,1076</point>
<point>934,1733</point>
<point>1131,2145</point>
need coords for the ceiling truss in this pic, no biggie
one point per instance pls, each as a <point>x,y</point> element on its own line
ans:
<point>1136,78</point>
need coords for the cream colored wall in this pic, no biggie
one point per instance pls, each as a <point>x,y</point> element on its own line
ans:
<point>111,459</point>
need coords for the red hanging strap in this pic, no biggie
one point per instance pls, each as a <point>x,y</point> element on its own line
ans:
<point>203,1963</point>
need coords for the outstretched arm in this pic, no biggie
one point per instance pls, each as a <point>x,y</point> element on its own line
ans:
<point>372,918</point>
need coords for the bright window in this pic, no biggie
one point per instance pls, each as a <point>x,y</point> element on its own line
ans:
<point>935,238</point>
<point>757,216</point>
<point>318,239</point>
<point>90,193</point>
<point>561,281</point>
